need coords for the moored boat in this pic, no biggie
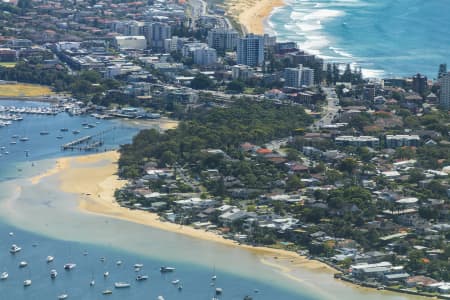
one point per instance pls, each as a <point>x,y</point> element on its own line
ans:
<point>63,296</point>
<point>4,276</point>
<point>166,269</point>
<point>107,292</point>
<point>69,266</point>
<point>120,285</point>
<point>53,274</point>
<point>23,264</point>
<point>14,249</point>
<point>50,259</point>
<point>141,277</point>
<point>27,282</point>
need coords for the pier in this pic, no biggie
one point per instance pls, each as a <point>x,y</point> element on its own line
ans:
<point>87,143</point>
<point>76,143</point>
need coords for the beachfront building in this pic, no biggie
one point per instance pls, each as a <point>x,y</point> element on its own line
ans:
<point>223,39</point>
<point>298,77</point>
<point>444,98</point>
<point>402,140</point>
<point>250,50</point>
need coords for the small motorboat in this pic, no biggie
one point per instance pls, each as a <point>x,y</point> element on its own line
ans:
<point>106,274</point>
<point>63,296</point>
<point>4,276</point>
<point>50,259</point>
<point>166,269</point>
<point>14,249</point>
<point>69,266</point>
<point>121,285</point>
<point>107,292</point>
<point>141,277</point>
<point>176,281</point>
<point>23,264</point>
<point>27,282</point>
<point>53,274</point>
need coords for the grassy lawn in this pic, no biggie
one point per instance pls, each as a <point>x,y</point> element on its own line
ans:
<point>8,64</point>
<point>24,90</point>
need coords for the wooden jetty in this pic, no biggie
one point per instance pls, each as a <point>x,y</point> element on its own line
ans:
<point>76,143</point>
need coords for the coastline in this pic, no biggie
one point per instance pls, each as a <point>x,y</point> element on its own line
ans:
<point>251,15</point>
<point>92,179</point>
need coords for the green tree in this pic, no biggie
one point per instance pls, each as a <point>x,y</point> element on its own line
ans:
<point>201,82</point>
<point>236,86</point>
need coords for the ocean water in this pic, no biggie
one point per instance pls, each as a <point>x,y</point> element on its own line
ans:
<point>384,37</point>
<point>45,221</point>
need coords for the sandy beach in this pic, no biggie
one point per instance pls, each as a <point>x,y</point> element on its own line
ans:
<point>93,178</point>
<point>251,14</point>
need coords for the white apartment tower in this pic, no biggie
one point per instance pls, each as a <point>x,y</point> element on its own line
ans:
<point>205,56</point>
<point>298,77</point>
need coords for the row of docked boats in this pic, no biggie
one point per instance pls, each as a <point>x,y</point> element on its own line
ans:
<point>41,110</point>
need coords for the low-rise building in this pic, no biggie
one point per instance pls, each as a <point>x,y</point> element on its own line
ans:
<point>357,141</point>
<point>395,141</point>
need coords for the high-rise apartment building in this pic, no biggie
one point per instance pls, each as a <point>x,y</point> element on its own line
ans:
<point>250,50</point>
<point>444,96</point>
<point>223,39</point>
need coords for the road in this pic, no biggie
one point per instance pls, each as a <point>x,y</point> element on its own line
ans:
<point>200,8</point>
<point>330,111</point>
